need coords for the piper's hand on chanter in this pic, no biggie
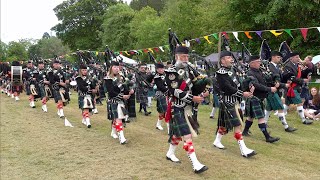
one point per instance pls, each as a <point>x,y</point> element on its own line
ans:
<point>247,94</point>
<point>273,89</point>
<point>197,99</point>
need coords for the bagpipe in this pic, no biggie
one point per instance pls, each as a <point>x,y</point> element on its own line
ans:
<point>201,82</point>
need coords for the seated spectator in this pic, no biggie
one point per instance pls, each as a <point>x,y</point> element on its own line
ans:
<point>312,105</point>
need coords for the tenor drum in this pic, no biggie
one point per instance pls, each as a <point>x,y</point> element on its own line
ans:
<point>16,75</point>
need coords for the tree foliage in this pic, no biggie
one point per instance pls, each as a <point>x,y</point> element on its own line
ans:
<point>3,51</point>
<point>48,47</point>
<point>157,5</point>
<point>17,51</point>
<point>116,27</point>
<point>81,22</point>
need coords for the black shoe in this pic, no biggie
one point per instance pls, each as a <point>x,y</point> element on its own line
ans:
<point>290,129</point>
<point>245,133</point>
<point>147,113</point>
<point>89,126</point>
<point>272,139</point>
<point>307,122</point>
<point>125,142</point>
<point>203,169</point>
<point>250,155</point>
<point>211,117</point>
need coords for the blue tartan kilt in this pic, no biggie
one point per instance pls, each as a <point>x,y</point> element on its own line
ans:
<point>273,102</point>
<point>56,95</point>
<point>178,124</point>
<point>295,100</point>
<point>41,91</point>
<point>116,111</point>
<point>28,92</point>
<point>161,104</point>
<point>254,108</point>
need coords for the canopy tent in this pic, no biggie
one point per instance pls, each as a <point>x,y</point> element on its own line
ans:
<point>127,60</point>
<point>214,57</point>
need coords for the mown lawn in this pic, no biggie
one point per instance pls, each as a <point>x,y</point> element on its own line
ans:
<point>37,145</point>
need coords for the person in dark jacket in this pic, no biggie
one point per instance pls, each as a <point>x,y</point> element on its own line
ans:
<point>254,105</point>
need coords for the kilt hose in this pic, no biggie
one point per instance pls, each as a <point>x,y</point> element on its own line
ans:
<point>254,108</point>
<point>273,102</point>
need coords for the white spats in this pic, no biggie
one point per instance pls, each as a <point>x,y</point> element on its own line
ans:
<point>245,152</point>
<point>32,104</point>
<point>17,98</point>
<point>158,125</point>
<point>170,154</point>
<point>196,165</point>
<point>67,123</point>
<point>88,122</point>
<point>60,113</point>
<point>95,111</point>
<point>122,139</point>
<point>267,115</point>
<point>217,141</point>
<point>44,108</point>
<point>84,121</point>
<point>114,133</point>
<point>168,127</point>
<point>12,95</point>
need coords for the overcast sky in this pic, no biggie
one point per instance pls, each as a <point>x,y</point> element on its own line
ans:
<point>27,18</point>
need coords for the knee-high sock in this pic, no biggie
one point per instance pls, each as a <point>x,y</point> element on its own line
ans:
<point>300,112</point>
<point>263,128</point>
<point>247,126</point>
<point>283,120</point>
<point>267,115</point>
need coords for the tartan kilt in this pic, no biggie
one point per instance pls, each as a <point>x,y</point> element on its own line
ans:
<point>17,89</point>
<point>116,111</point>
<point>273,102</point>
<point>228,117</point>
<point>161,104</point>
<point>27,86</point>
<point>131,106</point>
<point>142,95</point>
<point>42,92</point>
<point>178,124</point>
<point>254,108</point>
<point>56,95</point>
<point>295,100</point>
<point>81,102</point>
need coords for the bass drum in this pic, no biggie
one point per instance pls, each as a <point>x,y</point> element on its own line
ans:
<point>16,75</point>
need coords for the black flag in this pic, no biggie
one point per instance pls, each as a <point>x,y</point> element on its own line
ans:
<point>265,51</point>
<point>285,50</point>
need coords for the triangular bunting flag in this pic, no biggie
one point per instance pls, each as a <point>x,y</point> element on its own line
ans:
<point>167,47</point>
<point>236,36</point>
<point>275,33</point>
<point>121,52</point>
<point>198,40</point>
<point>289,32</point>
<point>304,32</point>
<point>97,53</point>
<point>207,38</point>
<point>150,49</point>
<point>156,49</point>
<point>215,35</point>
<point>127,53</point>
<point>161,48</point>
<point>140,51</point>
<point>67,123</point>
<point>145,51</point>
<point>248,34</point>
<point>259,33</point>
<point>318,29</point>
<point>225,35</point>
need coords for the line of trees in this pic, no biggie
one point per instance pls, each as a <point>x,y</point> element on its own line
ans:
<point>92,24</point>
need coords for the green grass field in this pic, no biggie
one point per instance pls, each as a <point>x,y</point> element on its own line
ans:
<point>37,145</point>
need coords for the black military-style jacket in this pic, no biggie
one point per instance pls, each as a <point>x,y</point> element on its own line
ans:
<point>179,83</point>
<point>162,88</point>
<point>229,86</point>
<point>261,89</point>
